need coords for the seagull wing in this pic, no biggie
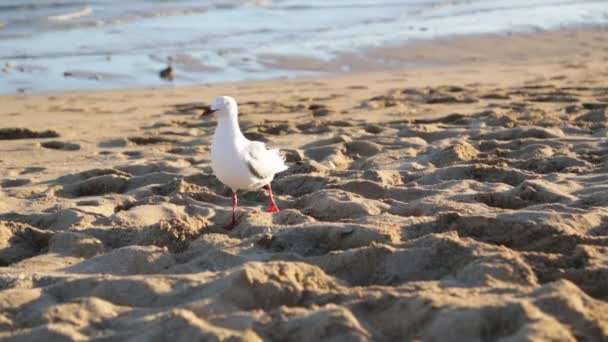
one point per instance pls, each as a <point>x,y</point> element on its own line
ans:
<point>262,162</point>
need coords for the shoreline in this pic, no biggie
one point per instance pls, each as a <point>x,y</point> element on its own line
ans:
<point>457,50</point>
<point>417,54</point>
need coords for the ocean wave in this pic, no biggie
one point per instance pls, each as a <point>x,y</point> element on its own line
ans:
<point>23,6</point>
<point>170,12</point>
<point>94,21</point>
<point>83,12</point>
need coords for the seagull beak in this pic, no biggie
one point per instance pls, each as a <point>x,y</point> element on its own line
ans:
<point>209,111</point>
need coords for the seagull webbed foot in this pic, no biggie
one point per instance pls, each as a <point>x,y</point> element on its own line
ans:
<point>231,225</point>
<point>273,208</point>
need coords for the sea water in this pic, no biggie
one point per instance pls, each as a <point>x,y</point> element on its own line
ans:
<point>49,45</point>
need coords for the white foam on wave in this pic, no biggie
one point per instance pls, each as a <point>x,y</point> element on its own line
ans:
<point>83,12</point>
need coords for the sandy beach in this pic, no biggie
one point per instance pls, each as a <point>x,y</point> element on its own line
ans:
<point>462,200</point>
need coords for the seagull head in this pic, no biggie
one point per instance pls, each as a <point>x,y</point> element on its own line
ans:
<point>223,105</point>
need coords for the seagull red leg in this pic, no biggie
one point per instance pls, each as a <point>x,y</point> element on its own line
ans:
<point>234,204</point>
<point>272,208</point>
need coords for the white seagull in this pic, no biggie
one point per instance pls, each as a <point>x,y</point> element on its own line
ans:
<point>239,163</point>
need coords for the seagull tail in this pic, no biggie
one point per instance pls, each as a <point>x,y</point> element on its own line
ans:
<point>278,160</point>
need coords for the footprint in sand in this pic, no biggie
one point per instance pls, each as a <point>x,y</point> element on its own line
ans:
<point>150,140</point>
<point>25,133</point>
<point>133,154</point>
<point>11,183</point>
<point>32,169</point>
<point>60,145</point>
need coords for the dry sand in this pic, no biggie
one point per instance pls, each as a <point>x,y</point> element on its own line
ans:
<point>462,202</point>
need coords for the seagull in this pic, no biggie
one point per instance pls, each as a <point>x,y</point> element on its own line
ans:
<point>168,73</point>
<point>239,163</point>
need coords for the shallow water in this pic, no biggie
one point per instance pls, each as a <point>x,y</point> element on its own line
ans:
<point>110,43</point>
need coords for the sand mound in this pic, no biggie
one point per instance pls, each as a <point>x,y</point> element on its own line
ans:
<point>456,153</point>
<point>126,260</point>
<point>75,244</point>
<point>334,205</point>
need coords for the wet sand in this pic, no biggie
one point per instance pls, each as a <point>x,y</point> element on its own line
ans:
<point>73,46</point>
<point>461,202</point>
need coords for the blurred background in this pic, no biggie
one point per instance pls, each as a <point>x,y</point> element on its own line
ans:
<point>78,44</point>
